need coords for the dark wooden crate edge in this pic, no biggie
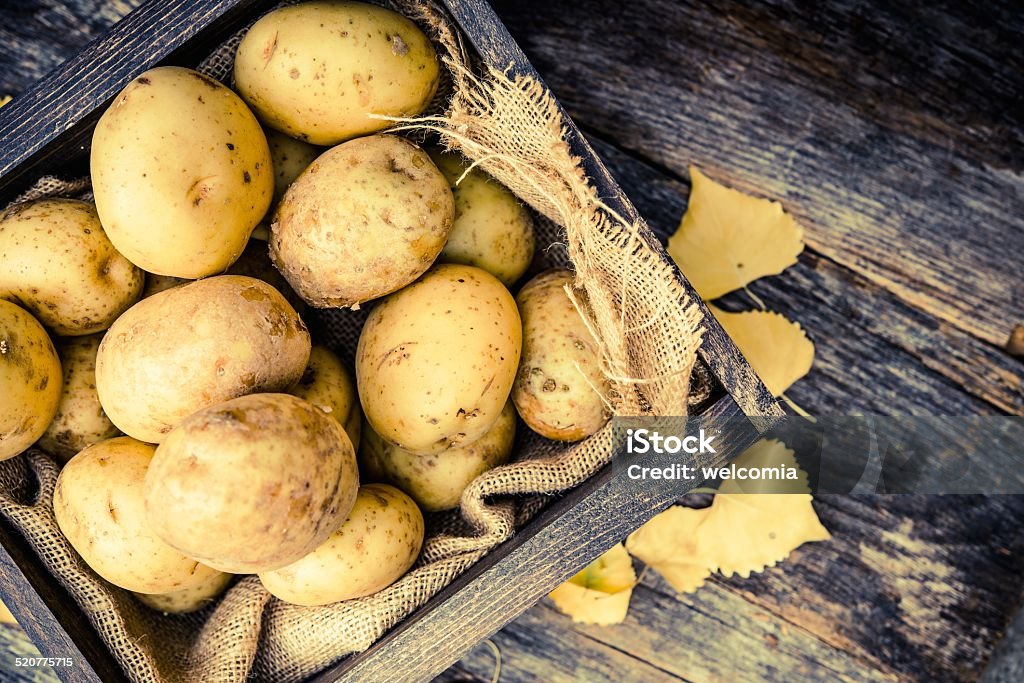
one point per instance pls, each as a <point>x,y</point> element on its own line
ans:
<point>111,61</point>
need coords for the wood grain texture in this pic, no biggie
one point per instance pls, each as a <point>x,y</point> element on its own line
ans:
<point>894,596</point>
<point>15,643</point>
<point>892,131</point>
<point>875,352</point>
<point>763,94</point>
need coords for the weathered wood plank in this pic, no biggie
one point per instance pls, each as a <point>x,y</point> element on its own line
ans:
<point>876,353</point>
<point>895,595</point>
<point>14,644</point>
<point>923,585</point>
<point>891,130</point>
<point>540,647</point>
<point>38,36</point>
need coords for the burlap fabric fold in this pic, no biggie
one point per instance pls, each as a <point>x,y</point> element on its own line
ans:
<point>647,328</point>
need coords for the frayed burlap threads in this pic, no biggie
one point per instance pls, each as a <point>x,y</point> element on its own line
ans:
<point>646,326</point>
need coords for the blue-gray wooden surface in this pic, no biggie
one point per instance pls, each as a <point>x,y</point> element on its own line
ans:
<point>893,130</point>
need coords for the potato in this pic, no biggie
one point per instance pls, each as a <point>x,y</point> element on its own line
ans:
<point>99,506</point>
<point>436,360</point>
<point>556,388</point>
<point>290,158</point>
<point>492,229</point>
<point>376,545</point>
<point>194,346</point>
<point>436,482</point>
<point>30,378</point>
<point>317,70</point>
<point>327,384</point>
<point>252,484</point>
<point>188,599</point>
<point>365,219</point>
<point>181,172</point>
<point>80,420</point>
<point>59,264</point>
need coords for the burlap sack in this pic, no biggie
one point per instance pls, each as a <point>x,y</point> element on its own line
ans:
<point>646,326</point>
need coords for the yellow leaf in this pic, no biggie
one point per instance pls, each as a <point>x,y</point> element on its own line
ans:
<point>740,533</point>
<point>728,239</point>
<point>745,533</point>
<point>667,543</point>
<point>5,99</point>
<point>5,615</point>
<point>764,455</point>
<point>777,348</point>
<point>600,593</point>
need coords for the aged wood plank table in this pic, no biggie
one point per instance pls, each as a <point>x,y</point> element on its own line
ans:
<point>893,131</point>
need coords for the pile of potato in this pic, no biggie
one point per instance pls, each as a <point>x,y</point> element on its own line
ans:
<point>154,346</point>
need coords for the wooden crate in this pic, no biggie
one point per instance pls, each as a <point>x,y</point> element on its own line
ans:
<point>47,130</point>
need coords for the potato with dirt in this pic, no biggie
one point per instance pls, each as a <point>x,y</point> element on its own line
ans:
<point>327,384</point>
<point>436,360</point>
<point>365,219</point>
<point>378,543</point>
<point>99,505</point>
<point>181,172</point>
<point>194,346</point>
<point>492,228</point>
<point>30,377</point>
<point>436,482</point>
<point>59,265</point>
<point>80,420</point>
<point>560,388</point>
<point>316,71</point>
<point>252,484</point>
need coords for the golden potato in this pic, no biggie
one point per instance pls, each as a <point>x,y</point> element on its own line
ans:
<point>492,229</point>
<point>290,158</point>
<point>80,420</point>
<point>181,172</point>
<point>317,70</point>
<point>99,506</point>
<point>252,484</point>
<point>436,360</point>
<point>365,219</point>
<point>556,388</point>
<point>376,545</point>
<point>327,384</point>
<point>59,264</point>
<point>194,346</point>
<point>436,482</point>
<point>30,380</point>
<point>188,599</point>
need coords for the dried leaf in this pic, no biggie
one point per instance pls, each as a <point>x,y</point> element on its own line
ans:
<point>777,348</point>
<point>745,533</point>
<point>5,615</point>
<point>667,543</point>
<point>740,533</point>
<point>728,239</point>
<point>600,593</point>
